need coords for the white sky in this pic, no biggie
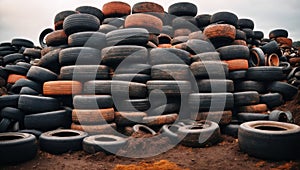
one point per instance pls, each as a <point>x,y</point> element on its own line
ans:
<point>27,18</point>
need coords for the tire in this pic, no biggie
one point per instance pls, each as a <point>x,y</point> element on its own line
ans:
<point>16,88</point>
<point>106,28</point>
<point>258,35</point>
<point>133,105</point>
<point>270,47</point>
<point>80,22</point>
<point>224,18</point>
<point>220,34</point>
<point>84,73</point>
<point>37,104</point>
<point>211,101</point>
<point>169,88</point>
<point>259,138</point>
<point>144,129</point>
<point>249,34</point>
<point>54,88</point>
<point>61,141</point>
<point>232,52</point>
<point>95,40</point>
<point>272,100</point>
<point>48,120</point>
<point>237,64</point>
<point>171,131</point>
<point>238,75</point>
<point>231,130</point>
<point>9,101</point>
<point>273,60</point>
<point>110,144</point>
<point>286,90</point>
<point>246,98</point>
<point>115,21</point>
<point>164,109</point>
<point>248,85</point>
<point>16,69</point>
<point>56,38</point>
<point>129,118</point>
<point>259,108</point>
<point>60,17</point>
<point>32,52</point>
<point>10,58</point>
<point>265,73</point>
<point>240,42</point>
<point>13,78</point>
<point>210,69</point>
<point>183,9</point>
<point>151,23</point>
<point>92,101</point>
<point>93,117</point>
<point>281,116</point>
<point>5,124</point>
<point>17,148</point>
<point>171,56</point>
<point>278,33</point>
<point>134,69</point>
<point>240,35</point>
<point>245,23</point>
<point>179,40</point>
<point>92,11</point>
<point>208,56</point>
<point>257,57</point>
<point>108,129</point>
<point>19,42</point>
<point>221,117</point>
<point>128,36</point>
<point>247,117</point>
<point>197,35</point>
<point>36,133</point>
<point>79,56</point>
<point>183,25</point>
<point>29,91</point>
<point>116,9</point>
<point>160,120</point>
<point>203,20</point>
<point>199,46</point>
<point>208,130</point>
<point>170,72</point>
<point>284,42</point>
<point>43,34</point>
<point>138,78</point>
<point>286,67</point>
<point>51,61</point>
<point>40,74</point>
<point>12,113</point>
<point>215,86</point>
<point>130,54</point>
<point>144,7</point>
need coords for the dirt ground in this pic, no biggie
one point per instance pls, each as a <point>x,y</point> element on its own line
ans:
<point>225,155</point>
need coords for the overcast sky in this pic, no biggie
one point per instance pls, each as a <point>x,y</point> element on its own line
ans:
<point>27,18</point>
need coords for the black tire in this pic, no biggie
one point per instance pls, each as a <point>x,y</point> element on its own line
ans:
<point>278,33</point>
<point>5,124</point>
<point>245,23</point>
<point>182,23</point>
<point>208,56</point>
<point>114,21</point>
<point>36,133</point>
<point>106,28</point>
<point>234,52</point>
<point>10,58</point>
<point>270,47</point>
<point>248,85</point>
<point>80,22</point>
<point>32,52</point>
<point>210,69</point>
<point>91,10</point>
<point>199,46</point>
<point>109,144</point>
<point>130,54</point>
<point>286,90</point>
<point>220,117</point>
<point>272,100</point>
<point>48,120</point>
<point>258,35</point>
<point>79,56</point>
<point>171,56</point>
<point>183,9</point>
<point>19,42</point>
<point>37,104</point>
<point>179,40</point>
<point>240,35</point>
<point>259,138</point>
<point>128,36</point>
<point>210,131</point>
<point>87,39</point>
<point>247,117</point>
<point>246,98</point>
<point>133,105</point>
<point>215,86</point>
<point>60,17</point>
<point>203,20</point>
<point>265,73</point>
<point>42,36</point>
<point>92,101</point>
<point>29,91</point>
<point>238,75</point>
<point>171,131</point>
<point>51,61</point>
<point>249,34</point>
<point>84,72</point>
<point>129,118</point>
<point>211,101</point>
<point>170,72</point>
<point>224,18</point>
<point>257,57</point>
<point>12,113</point>
<point>16,88</point>
<point>169,88</point>
<point>281,116</point>
<point>138,78</point>
<point>231,130</point>
<point>62,141</point>
<point>9,101</point>
<point>40,74</point>
<point>16,69</point>
<point>17,148</point>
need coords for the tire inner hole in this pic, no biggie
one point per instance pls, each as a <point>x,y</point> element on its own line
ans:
<point>106,139</point>
<point>173,128</point>
<point>270,128</point>
<point>7,138</point>
<point>144,130</point>
<point>65,134</point>
<point>282,117</point>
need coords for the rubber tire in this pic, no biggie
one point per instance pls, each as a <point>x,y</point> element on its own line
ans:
<point>169,88</point>
<point>116,9</point>
<point>134,69</point>
<point>19,42</point>
<point>281,116</point>
<point>152,23</point>
<point>220,117</point>
<point>265,73</point>
<point>272,100</point>
<point>278,33</point>
<point>16,88</point>
<point>40,74</point>
<point>210,69</point>
<point>238,75</point>
<point>95,40</point>
<point>12,113</point>
<point>5,124</point>
<point>10,58</point>
<point>154,121</point>
<point>286,90</point>
<point>171,56</point>
<point>51,61</point>
<point>249,85</point>
<point>203,20</point>
<point>92,101</point>
<point>93,117</point>
<point>247,117</point>
<point>270,47</point>
<point>208,56</point>
<point>56,38</point>
<point>79,56</point>
<point>257,57</point>
<point>170,72</point>
<point>91,10</point>
<point>57,88</point>
<point>215,86</point>
<point>16,69</point>
<point>145,7</point>
<point>246,98</point>
<point>258,108</point>
<point>231,130</point>
<point>84,73</point>
<point>123,119</point>
<point>28,91</point>
<point>133,105</point>
<point>61,144</point>
<point>224,18</point>
<point>183,9</point>
<point>96,129</point>
<point>234,52</point>
<point>9,101</point>
<point>128,36</point>
<point>237,64</point>
<point>37,104</point>
<point>138,78</point>
<point>80,22</point>
<point>245,23</point>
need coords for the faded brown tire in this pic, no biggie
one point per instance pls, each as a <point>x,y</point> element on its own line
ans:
<point>294,60</point>
<point>194,135</point>
<point>210,69</point>
<point>220,34</point>
<point>164,46</point>
<point>160,120</point>
<point>259,108</point>
<point>144,7</point>
<point>182,32</point>
<point>96,129</point>
<point>116,9</point>
<point>53,88</point>
<point>270,140</point>
<point>149,22</point>
<point>246,98</point>
<point>221,117</point>
<point>84,72</point>
<point>237,64</point>
<point>129,118</point>
<point>240,42</point>
<point>13,78</point>
<point>278,33</point>
<point>284,42</point>
<point>170,72</point>
<point>93,117</point>
<point>56,38</point>
<point>273,60</point>
<point>32,52</point>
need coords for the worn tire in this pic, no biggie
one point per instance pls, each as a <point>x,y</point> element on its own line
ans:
<point>171,56</point>
<point>272,100</point>
<point>234,52</point>
<point>248,85</point>
<point>286,90</point>
<point>183,9</point>
<point>151,23</point>
<point>211,101</point>
<point>93,117</point>
<point>170,72</point>
<point>237,64</point>
<point>247,117</point>
<point>278,33</point>
<point>265,73</point>
<point>37,104</point>
<point>84,72</point>
<point>79,56</point>
<point>258,108</point>
<point>160,120</point>
<point>215,86</point>
<point>246,98</point>
<point>220,117</point>
<point>53,88</point>
<point>210,69</point>
<point>92,101</point>
<point>87,39</point>
<point>40,74</point>
<point>169,88</point>
<point>116,9</point>
<point>129,118</point>
<point>80,22</point>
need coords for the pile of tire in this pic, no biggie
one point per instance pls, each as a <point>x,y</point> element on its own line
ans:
<point>101,72</point>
